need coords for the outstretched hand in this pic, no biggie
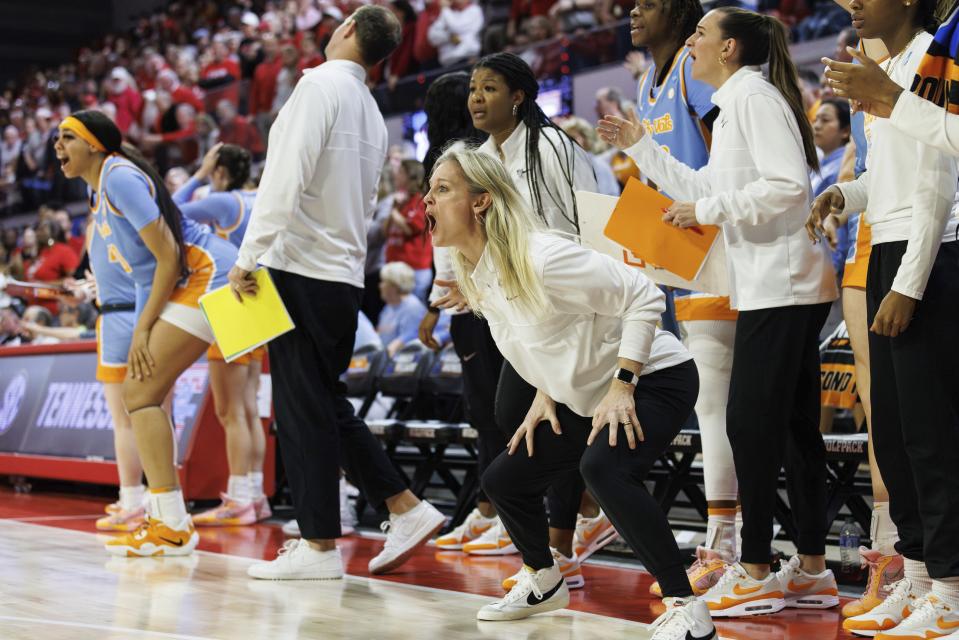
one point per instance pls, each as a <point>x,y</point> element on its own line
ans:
<point>865,85</point>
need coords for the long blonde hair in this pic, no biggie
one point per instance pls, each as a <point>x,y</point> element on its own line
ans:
<point>508,224</point>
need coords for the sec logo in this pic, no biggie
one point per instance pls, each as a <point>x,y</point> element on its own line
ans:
<point>12,399</point>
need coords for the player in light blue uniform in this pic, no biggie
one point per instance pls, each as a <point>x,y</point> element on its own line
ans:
<point>235,384</point>
<point>173,261</point>
<point>228,206</point>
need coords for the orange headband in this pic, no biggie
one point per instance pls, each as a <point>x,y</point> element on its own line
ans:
<point>73,124</point>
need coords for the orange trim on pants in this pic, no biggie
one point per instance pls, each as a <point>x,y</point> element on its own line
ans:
<point>107,373</point>
<point>202,269</point>
<point>854,274</point>
<point>257,355</point>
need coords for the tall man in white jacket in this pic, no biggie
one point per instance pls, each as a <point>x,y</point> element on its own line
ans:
<point>327,148</point>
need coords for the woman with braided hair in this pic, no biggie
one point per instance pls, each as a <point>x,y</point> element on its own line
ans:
<point>546,167</point>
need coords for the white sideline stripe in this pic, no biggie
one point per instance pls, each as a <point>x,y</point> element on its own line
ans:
<point>101,627</point>
<point>402,585</point>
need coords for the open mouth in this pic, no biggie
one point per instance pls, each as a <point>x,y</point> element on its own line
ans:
<point>857,21</point>
<point>64,161</point>
<point>430,223</point>
<point>479,115</point>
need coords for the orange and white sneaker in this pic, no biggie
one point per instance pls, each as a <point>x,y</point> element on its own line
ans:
<point>154,538</point>
<point>121,520</point>
<point>884,571</point>
<point>703,573</point>
<point>737,594</point>
<point>805,590</point>
<point>592,534</point>
<point>229,513</point>
<point>896,606</point>
<point>475,525</point>
<point>495,541</point>
<point>261,506</point>
<point>570,568</point>
<point>931,618</point>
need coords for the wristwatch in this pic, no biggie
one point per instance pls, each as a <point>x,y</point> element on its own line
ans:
<point>627,376</point>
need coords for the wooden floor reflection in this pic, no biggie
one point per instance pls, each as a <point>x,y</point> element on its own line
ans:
<point>58,584</point>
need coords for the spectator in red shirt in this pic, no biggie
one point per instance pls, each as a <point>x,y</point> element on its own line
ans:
<point>405,228</point>
<point>180,93</point>
<point>424,52</point>
<point>222,74</point>
<point>62,218</point>
<point>122,92</point>
<point>310,55</point>
<point>263,87</point>
<point>237,129</point>
<point>402,62</point>
<point>522,9</point>
<point>55,260</point>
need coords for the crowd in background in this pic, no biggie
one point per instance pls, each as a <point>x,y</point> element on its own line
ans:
<point>201,73</point>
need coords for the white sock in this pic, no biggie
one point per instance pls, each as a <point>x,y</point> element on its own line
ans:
<point>168,506</point>
<point>918,575</point>
<point>947,590</point>
<point>238,488</point>
<point>721,532</point>
<point>131,498</point>
<point>882,530</point>
<point>256,484</point>
<point>739,533</point>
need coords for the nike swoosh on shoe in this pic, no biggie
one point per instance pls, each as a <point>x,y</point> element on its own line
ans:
<point>532,600</point>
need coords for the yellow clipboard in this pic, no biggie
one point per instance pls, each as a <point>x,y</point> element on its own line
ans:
<point>241,327</point>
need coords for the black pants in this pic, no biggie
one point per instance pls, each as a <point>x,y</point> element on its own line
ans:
<point>318,430</point>
<point>772,418</point>
<point>513,399</point>
<point>482,362</point>
<point>615,476</point>
<point>915,409</point>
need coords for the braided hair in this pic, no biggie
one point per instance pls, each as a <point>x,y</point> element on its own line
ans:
<point>519,77</point>
<point>110,137</point>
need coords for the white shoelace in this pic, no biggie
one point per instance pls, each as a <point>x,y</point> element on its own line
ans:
<point>898,593</point>
<point>927,611</point>
<point>524,585</point>
<point>461,530</point>
<point>289,547</point>
<point>731,574</point>
<point>675,621</point>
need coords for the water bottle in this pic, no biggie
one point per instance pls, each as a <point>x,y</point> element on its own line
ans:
<point>850,537</point>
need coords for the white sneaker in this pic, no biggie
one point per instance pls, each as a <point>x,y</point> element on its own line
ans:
<point>803,590</point>
<point>472,528</point>
<point>535,592</point>
<point>685,619</point>
<point>737,594</point>
<point>897,605</point>
<point>571,569</point>
<point>297,560</point>
<point>494,542</point>
<point>404,533</point>
<point>292,529</point>
<point>930,618</point>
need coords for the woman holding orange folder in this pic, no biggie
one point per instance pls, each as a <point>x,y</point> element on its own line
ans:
<point>173,261</point>
<point>669,93</point>
<point>756,185</point>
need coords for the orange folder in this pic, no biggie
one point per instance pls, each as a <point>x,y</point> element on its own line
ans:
<point>637,224</point>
